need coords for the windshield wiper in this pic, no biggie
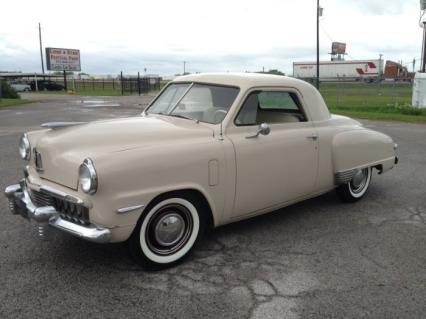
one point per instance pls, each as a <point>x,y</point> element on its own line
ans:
<point>178,115</point>
<point>183,117</point>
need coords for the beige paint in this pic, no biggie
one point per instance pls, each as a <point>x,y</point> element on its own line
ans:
<point>142,157</point>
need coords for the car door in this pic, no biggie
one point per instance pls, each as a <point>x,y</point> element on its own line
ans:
<point>278,167</point>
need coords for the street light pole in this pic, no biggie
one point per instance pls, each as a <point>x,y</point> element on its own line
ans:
<point>318,49</point>
<point>419,86</point>
<point>379,75</point>
<point>423,68</point>
<point>184,67</point>
<point>41,48</point>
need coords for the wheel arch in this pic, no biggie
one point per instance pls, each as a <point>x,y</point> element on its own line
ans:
<point>199,195</point>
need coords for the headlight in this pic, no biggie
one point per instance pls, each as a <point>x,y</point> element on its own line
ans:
<point>88,178</point>
<point>25,148</point>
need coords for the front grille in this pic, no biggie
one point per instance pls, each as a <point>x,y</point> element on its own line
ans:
<point>40,199</point>
<point>72,212</point>
<point>67,210</point>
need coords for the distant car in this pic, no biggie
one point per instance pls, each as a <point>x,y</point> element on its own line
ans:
<point>21,87</point>
<point>211,149</point>
<point>46,85</point>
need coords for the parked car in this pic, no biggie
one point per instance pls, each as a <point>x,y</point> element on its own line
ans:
<point>211,149</point>
<point>21,87</point>
<point>46,85</point>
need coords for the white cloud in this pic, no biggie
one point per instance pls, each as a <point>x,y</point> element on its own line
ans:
<point>218,35</point>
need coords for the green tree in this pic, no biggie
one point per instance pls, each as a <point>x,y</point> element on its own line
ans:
<point>273,71</point>
<point>6,91</point>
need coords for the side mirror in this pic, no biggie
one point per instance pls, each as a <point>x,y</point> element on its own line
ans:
<point>264,129</point>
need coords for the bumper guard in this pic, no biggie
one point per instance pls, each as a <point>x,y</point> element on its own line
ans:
<point>20,203</point>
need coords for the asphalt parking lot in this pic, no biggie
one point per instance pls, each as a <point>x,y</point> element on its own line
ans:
<point>316,259</point>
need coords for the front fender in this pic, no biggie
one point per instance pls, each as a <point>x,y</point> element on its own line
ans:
<point>136,177</point>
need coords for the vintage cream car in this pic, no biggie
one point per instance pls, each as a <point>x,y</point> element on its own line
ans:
<point>211,149</point>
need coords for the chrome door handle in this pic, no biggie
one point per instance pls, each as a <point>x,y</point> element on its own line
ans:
<point>313,137</point>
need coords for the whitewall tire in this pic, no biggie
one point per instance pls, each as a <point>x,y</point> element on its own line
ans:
<point>357,187</point>
<point>167,231</point>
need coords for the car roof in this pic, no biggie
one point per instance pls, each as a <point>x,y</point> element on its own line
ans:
<point>243,79</point>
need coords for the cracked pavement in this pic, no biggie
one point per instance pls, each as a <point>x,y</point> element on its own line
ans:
<point>316,259</point>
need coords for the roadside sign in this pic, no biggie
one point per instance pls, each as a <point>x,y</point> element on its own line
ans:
<point>338,48</point>
<point>58,59</point>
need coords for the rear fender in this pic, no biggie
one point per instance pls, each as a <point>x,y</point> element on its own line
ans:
<point>361,148</point>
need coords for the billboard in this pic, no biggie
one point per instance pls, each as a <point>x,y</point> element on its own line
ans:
<point>338,48</point>
<point>63,59</point>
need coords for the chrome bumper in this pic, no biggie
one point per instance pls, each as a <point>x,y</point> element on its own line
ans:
<point>20,203</point>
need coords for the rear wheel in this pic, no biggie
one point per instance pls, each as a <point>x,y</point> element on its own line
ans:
<point>167,231</point>
<point>357,187</point>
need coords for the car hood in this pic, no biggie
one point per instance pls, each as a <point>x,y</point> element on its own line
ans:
<point>63,150</point>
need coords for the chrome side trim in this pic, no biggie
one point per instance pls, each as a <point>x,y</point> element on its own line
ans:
<point>61,195</point>
<point>58,125</point>
<point>125,210</point>
<point>344,177</point>
<point>92,233</point>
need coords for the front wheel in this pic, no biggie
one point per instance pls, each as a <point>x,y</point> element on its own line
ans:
<point>357,187</point>
<point>167,231</point>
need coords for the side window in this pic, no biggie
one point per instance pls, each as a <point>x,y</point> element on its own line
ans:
<point>270,107</point>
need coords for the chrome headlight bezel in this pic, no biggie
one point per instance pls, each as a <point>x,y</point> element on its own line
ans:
<point>88,178</point>
<point>24,147</point>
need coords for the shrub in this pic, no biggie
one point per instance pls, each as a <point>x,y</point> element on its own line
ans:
<point>7,91</point>
<point>409,110</point>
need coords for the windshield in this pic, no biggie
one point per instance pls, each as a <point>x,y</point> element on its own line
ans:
<point>200,102</point>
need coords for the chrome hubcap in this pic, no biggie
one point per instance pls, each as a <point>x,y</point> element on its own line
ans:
<point>169,229</point>
<point>359,180</point>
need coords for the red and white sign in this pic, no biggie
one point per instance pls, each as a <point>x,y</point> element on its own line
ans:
<point>63,59</point>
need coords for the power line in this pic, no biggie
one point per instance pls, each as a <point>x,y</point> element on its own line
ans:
<point>331,39</point>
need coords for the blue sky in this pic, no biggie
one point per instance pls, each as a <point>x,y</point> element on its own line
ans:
<point>211,36</point>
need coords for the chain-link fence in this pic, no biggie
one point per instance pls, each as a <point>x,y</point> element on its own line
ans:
<point>386,96</point>
<point>383,93</point>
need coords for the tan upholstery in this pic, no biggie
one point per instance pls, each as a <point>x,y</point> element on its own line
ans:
<point>275,117</point>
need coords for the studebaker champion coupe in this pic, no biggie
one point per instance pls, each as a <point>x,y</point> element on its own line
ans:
<point>211,149</point>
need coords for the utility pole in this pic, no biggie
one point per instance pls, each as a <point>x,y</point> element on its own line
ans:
<point>423,68</point>
<point>184,67</point>
<point>379,75</point>
<point>41,48</point>
<point>319,11</point>
<point>414,65</point>
<point>419,87</point>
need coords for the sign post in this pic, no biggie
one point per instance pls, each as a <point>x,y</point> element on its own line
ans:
<point>65,80</point>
